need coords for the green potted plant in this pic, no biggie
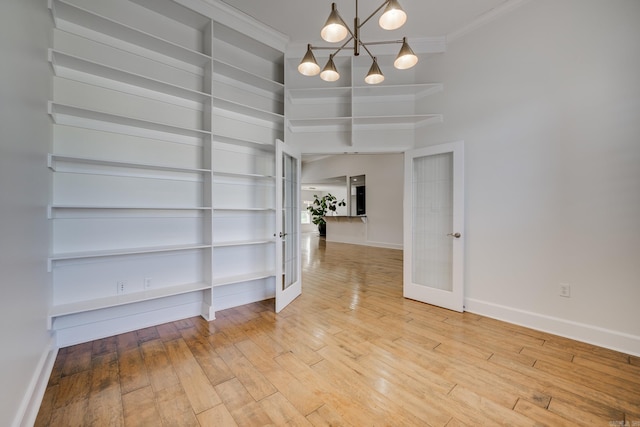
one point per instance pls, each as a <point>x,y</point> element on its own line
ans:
<point>320,207</point>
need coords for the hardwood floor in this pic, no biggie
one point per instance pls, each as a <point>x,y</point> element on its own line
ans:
<point>349,351</point>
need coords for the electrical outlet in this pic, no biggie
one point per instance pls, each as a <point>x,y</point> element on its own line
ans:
<point>565,290</point>
<point>121,286</point>
<point>147,282</point>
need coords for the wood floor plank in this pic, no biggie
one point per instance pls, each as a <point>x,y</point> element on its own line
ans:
<point>126,341</point>
<point>349,351</point>
<point>395,386</point>
<point>168,331</point>
<point>252,414</point>
<point>326,416</point>
<point>250,377</point>
<point>46,406</point>
<point>585,414</point>
<point>234,395</point>
<point>547,353</point>
<point>542,416</point>
<point>216,370</point>
<point>282,412</point>
<point>71,415</point>
<point>140,408</point>
<point>104,346</point>
<point>624,371</point>
<point>174,407</point>
<point>199,390</point>
<point>105,402</point>
<point>487,411</point>
<point>160,370</point>
<point>608,384</point>
<point>581,397</point>
<point>73,388</point>
<point>216,416</point>
<point>78,358</point>
<point>300,396</point>
<point>133,372</point>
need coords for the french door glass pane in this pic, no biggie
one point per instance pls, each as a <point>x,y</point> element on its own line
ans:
<point>432,220</point>
<point>290,212</point>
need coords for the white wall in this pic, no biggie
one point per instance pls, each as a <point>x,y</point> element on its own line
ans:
<point>384,178</point>
<point>547,100</point>
<point>24,192</point>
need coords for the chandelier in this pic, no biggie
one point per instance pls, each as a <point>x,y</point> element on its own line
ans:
<point>335,30</point>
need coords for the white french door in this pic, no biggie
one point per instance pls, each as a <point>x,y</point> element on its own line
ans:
<point>433,225</point>
<point>288,272</point>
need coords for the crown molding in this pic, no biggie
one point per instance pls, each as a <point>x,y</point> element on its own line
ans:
<point>485,18</point>
<point>239,21</point>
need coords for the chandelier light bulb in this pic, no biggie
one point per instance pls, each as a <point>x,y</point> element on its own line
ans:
<point>334,29</point>
<point>374,76</point>
<point>406,58</point>
<point>329,72</point>
<point>393,16</point>
<point>309,66</point>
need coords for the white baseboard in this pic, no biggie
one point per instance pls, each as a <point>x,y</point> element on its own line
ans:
<point>386,245</point>
<point>614,340</point>
<point>238,294</point>
<point>32,399</point>
<point>84,332</point>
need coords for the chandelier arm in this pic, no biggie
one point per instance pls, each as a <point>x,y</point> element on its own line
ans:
<point>372,15</point>
<point>382,42</point>
<point>368,51</point>
<point>331,47</point>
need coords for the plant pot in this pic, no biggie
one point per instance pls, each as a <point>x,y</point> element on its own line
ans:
<point>322,229</point>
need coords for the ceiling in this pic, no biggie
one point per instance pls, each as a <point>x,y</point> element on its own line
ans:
<point>301,20</point>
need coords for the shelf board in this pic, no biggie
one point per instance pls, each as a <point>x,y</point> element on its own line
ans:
<point>265,146</point>
<point>230,280</point>
<point>166,208</point>
<point>247,110</point>
<point>243,243</point>
<point>117,300</point>
<point>236,73</point>
<point>319,95</point>
<point>61,60</point>
<point>408,91</point>
<point>64,11</point>
<point>377,122</point>
<point>321,124</point>
<point>236,209</point>
<point>119,252</point>
<point>75,116</point>
<point>51,208</point>
<point>53,159</point>
<point>243,175</point>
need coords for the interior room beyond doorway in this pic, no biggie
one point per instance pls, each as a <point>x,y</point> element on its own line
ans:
<point>383,173</point>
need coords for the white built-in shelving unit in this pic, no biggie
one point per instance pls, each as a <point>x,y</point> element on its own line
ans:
<point>350,116</point>
<point>162,164</point>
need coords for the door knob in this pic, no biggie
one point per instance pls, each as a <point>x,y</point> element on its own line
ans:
<point>282,234</point>
<point>456,235</point>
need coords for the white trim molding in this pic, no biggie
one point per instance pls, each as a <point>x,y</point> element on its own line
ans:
<point>233,18</point>
<point>32,399</point>
<point>591,334</point>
